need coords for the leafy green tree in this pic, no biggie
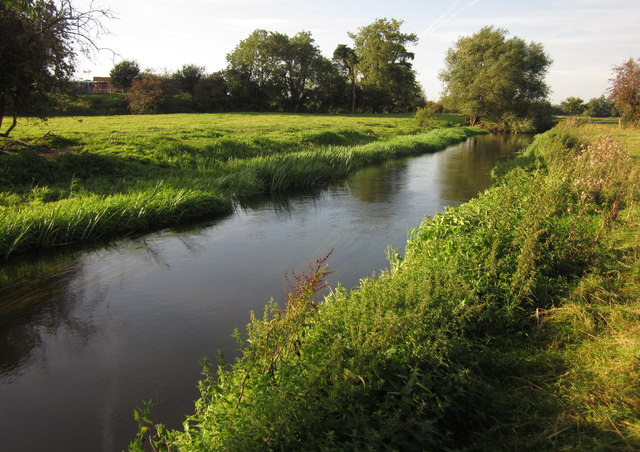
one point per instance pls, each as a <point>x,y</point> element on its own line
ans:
<point>346,61</point>
<point>573,106</point>
<point>496,81</point>
<point>38,42</point>
<point>329,89</point>
<point>384,66</point>
<point>124,73</point>
<point>600,107</point>
<point>625,89</point>
<point>272,70</point>
<point>188,76</point>
<point>248,73</point>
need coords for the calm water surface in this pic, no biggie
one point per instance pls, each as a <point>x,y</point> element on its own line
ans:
<point>86,336</point>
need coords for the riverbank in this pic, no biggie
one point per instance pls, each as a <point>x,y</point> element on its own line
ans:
<point>510,323</point>
<point>77,180</point>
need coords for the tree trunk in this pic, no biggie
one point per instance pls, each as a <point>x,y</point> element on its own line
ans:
<point>11,127</point>
<point>353,96</point>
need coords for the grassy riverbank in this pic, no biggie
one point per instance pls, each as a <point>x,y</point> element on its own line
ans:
<point>512,323</point>
<point>73,180</point>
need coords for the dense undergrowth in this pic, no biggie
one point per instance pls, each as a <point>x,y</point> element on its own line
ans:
<point>511,323</point>
<point>90,179</point>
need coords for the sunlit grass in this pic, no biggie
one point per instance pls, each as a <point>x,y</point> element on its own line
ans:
<point>73,180</point>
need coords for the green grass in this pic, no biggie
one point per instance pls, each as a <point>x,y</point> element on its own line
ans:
<point>93,105</point>
<point>511,323</point>
<point>73,180</point>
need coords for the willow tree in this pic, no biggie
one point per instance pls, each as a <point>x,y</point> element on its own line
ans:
<point>38,44</point>
<point>496,81</point>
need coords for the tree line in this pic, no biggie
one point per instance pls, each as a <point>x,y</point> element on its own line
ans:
<point>495,81</point>
<point>271,71</point>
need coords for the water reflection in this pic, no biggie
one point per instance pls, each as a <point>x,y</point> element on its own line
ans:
<point>379,183</point>
<point>473,163</point>
<point>85,337</point>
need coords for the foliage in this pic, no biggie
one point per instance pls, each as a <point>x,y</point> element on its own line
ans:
<point>150,94</point>
<point>495,81</point>
<point>573,106</point>
<point>210,94</point>
<point>37,47</point>
<point>511,323</point>
<point>124,73</point>
<point>346,60</point>
<point>270,69</point>
<point>93,105</point>
<point>424,116</point>
<point>600,107</point>
<point>625,89</point>
<point>188,76</point>
<point>384,67</point>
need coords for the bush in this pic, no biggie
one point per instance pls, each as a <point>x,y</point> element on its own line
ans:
<point>150,94</point>
<point>424,116</point>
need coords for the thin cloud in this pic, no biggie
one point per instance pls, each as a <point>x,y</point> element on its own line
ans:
<point>449,14</point>
<point>444,17</point>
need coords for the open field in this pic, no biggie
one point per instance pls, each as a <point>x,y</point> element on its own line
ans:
<point>511,323</point>
<point>72,180</point>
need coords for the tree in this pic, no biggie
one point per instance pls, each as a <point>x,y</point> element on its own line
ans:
<point>124,73</point>
<point>573,106</point>
<point>272,70</point>
<point>38,44</point>
<point>600,107</point>
<point>150,94</point>
<point>346,61</point>
<point>496,81</point>
<point>211,93</point>
<point>384,66</point>
<point>329,89</point>
<point>188,77</point>
<point>625,89</point>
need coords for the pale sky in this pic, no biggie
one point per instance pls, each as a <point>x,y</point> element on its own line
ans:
<point>584,38</point>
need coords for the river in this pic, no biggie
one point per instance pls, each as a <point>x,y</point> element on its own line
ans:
<point>86,336</point>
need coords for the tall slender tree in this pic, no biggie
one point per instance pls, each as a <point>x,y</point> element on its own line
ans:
<point>346,60</point>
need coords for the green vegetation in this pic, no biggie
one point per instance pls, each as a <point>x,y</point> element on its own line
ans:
<point>498,82</point>
<point>92,105</point>
<point>72,180</point>
<point>38,43</point>
<point>625,90</point>
<point>511,323</point>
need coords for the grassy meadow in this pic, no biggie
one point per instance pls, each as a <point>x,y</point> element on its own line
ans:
<point>70,180</point>
<point>512,322</point>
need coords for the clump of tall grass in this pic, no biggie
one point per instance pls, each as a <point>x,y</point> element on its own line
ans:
<point>91,217</point>
<point>469,341</point>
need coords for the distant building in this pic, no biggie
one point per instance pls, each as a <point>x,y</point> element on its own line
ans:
<point>99,85</point>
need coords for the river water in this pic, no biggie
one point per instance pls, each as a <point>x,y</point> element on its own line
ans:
<point>86,336</point>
